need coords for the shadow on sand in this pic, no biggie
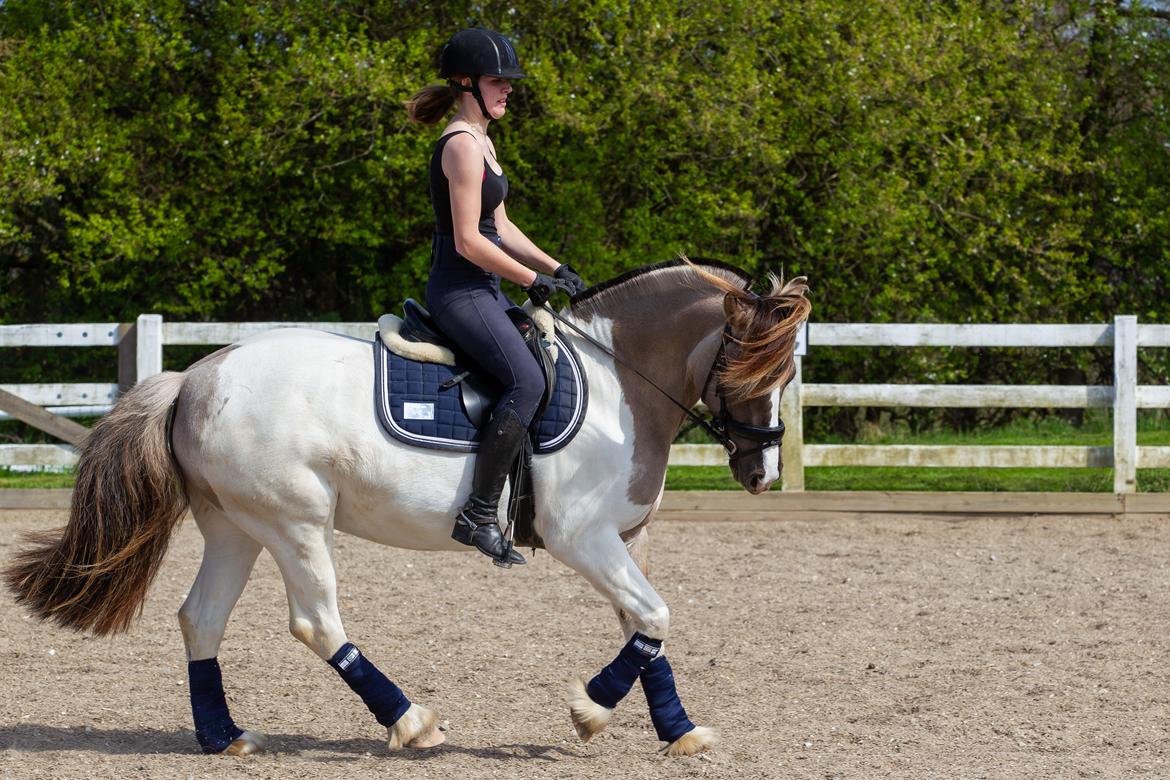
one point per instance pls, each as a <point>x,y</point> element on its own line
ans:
<point>33,737</point>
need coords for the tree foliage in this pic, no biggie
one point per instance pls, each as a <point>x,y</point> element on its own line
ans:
<point>960,161</point>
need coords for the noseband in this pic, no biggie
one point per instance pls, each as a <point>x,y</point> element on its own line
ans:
<point>720,427</point>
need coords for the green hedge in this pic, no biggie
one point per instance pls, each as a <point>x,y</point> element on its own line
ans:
<point>919,161</point>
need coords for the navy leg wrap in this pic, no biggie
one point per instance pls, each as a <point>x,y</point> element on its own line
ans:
<point>614,681</point>
<point>214,727</point>
<point>666,711</point>
<point>385,699</point>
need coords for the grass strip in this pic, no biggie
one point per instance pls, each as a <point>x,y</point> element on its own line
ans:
<point>35,480</point>
<point>1006,480</point>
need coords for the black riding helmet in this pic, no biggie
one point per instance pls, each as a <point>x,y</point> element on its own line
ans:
<point>479,52</point>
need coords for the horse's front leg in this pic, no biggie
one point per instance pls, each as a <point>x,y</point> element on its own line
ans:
<point>639,548</point>
<point>606,562</point>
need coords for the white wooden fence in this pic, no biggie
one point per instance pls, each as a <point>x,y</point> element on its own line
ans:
<point>140,350</point>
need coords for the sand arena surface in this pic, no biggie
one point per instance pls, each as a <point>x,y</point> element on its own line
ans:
<point>855,647</point>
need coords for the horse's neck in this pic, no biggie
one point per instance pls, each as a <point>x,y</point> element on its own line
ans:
<point>666,340</point>
<point>672,340</point>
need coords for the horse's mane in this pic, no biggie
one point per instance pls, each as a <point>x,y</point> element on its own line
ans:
<point>764,327</point>
<point>646,280</point>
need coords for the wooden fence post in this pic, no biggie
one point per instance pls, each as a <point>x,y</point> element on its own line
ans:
<point>792,448</point>
<point>127,356</point>
<point>1125,404</point>
<point>148,348</point>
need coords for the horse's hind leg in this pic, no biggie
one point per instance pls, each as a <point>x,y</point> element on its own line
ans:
<point>305,558</point>
<point>228,557</point>
<point>610,567</point>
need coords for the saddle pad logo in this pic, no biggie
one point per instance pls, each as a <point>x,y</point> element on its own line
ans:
<point>416,411</point>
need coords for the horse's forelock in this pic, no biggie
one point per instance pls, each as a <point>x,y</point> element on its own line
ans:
<point>765,329</point>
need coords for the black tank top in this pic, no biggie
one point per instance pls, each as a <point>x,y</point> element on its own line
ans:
<point>491,195</point>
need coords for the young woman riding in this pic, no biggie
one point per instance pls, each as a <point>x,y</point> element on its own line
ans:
<point>474,245</point>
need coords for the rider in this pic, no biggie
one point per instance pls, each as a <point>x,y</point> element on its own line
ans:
<point>474,245</point>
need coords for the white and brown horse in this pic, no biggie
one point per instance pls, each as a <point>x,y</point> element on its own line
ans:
<point>695,329</point>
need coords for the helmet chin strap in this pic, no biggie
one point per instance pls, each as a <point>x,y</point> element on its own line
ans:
<point>474,90</point>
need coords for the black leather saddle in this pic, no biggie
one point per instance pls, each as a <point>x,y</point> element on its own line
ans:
<point>479,391</point>
<point>419,327</point>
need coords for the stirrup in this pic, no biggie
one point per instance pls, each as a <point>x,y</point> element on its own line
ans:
<point>465,530</point>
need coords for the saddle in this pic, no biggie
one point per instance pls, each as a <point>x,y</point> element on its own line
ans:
<point>478,392</point>
<point>428,394</point>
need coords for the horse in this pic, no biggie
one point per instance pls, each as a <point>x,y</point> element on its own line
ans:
<point>207,439</point>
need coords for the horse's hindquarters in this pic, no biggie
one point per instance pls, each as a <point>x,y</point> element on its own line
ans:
<point>280,429</point>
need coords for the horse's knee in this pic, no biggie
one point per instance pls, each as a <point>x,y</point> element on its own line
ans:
<point>656,623</point>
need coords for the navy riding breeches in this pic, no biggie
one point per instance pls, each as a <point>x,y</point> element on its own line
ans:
<point>467,303</point>
<point>475,319</point>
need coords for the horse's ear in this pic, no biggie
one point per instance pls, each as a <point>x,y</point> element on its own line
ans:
<point>734,307</point>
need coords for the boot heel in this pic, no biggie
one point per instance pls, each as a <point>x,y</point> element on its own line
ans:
<point>464,531</point>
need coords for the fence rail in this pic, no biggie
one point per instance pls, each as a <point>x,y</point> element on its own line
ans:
<point>1124,397</point>
<point>140,348</point>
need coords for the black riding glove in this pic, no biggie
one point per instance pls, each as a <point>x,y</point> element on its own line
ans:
<point>545,287</point>
<point>566,273</point>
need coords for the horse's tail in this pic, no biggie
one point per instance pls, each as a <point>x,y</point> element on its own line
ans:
<point>93,573</point>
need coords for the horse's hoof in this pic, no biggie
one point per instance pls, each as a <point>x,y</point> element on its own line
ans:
<point>694,741</point>
<point>246,744</point>
<point>588,716</point>
<point>417,728</point>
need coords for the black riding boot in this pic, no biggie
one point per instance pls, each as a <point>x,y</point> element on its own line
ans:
<point>478,521</point>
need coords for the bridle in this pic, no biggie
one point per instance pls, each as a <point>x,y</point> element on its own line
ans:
<point>720,426</point>
<point>724,423</point>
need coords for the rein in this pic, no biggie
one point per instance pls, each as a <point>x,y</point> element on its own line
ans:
<point>717,427</point>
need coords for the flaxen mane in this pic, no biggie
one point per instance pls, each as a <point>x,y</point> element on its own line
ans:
<point>764,327</point>
<point>642,283</point>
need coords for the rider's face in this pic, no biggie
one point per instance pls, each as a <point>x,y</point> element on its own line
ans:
<point>495,91</point>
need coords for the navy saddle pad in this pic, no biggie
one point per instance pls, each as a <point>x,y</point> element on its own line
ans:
<point>413,409</point>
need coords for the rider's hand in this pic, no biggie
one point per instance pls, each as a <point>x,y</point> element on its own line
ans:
<point>566,273</point>
<point>545,287</point>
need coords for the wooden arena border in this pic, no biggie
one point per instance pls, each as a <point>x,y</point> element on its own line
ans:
<point>722,505</point>
<point>140,354</point>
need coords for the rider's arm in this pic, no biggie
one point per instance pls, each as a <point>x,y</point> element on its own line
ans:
<point>520,246</point>
<point>463,165</point>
